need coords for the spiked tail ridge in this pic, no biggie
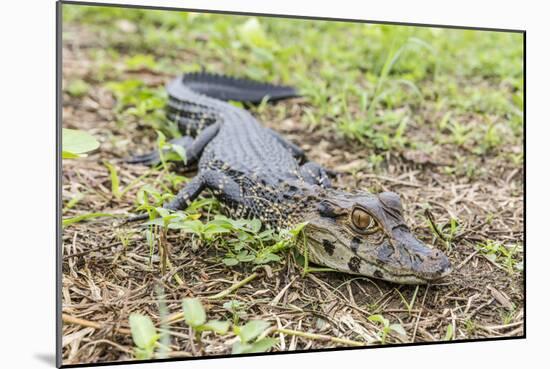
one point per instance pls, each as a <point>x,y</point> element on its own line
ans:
<point>237,89</point>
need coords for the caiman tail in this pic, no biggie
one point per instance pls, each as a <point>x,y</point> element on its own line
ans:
<point>236,89</point>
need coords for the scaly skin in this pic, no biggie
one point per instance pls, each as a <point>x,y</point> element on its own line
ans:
<point>255,173</point>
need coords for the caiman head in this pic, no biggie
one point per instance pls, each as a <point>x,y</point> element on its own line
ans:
<point>362,233</point>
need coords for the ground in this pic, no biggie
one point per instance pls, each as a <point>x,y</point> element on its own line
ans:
<point>435,115</point>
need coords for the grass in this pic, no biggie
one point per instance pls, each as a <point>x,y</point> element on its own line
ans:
<point>432,114</point>
<point>504,255</point>
<point>357,90</point>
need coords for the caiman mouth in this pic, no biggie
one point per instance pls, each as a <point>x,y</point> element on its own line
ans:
<point>415,278</point>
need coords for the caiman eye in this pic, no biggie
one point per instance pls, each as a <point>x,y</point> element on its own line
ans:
<point>361,219</point>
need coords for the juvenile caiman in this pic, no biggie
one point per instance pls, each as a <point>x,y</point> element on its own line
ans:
<point>254,172</point>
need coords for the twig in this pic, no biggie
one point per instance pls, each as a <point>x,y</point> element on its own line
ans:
<point>466,260</point>
<point>176,276</point>
<point>275,301</point>
<point>76,254</point>
<point>388,179</point>
<point>114,344</point>
<point>419,315</point>
<point>323,337</point>
<point>503,326</point>
<point>173,318</point>
<point>88,323</point>
<point>430,217</point>
<point>234,287</point>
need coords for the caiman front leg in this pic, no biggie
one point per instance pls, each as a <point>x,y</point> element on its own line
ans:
<point>187,194</point>
<point>315,174</point>
<point>222,186</point>
<point>197,184</point>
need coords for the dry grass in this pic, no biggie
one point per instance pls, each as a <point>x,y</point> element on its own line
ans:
<point>108,272</point>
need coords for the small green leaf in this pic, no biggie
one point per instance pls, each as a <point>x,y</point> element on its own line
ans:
<point>240,348</point>
<point>69,155</point>
<point>155,221</point>
<point>267,258</point>
<point>232,305</point>
<point>491,257</point>
<point>141,61</point>
<point>252,34</point>
<point>80,218</point>
<point>115,183</point>
<point>74,200</point>
<point>76,142</point>
<point>398,329</point>
<point>377,318</point>
<point>190,226</point>
<point>180,150</point>
<point>298,228</point>
<point>238,104</point>
<point>255,225</point>
<point>143,330</point>
<point>252,329</point>
<point>217,326</point>
<point>260,346</point>
<point>77,88</point>
<point>143,354</point>
<point>194,312</point>
<point>230,261</point>
<point>161,139</point>
<point>263,345</point>
<point>162,211</point>
<point>449,333</point>
<point>244,256</point>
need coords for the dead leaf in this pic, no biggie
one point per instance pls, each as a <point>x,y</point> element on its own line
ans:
<point>501,297</point>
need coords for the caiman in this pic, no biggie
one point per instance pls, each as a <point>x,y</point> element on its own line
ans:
<point>256,173</point>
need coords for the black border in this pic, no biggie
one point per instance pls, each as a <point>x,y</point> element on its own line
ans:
<point>59,185</point>
<point>59,120</point>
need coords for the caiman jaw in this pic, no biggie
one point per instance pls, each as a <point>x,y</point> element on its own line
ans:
<point>411,263</point>
<point>387,261</point>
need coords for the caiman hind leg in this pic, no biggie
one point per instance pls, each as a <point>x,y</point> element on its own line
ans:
<point>297,152</point>
<point>315,174</point>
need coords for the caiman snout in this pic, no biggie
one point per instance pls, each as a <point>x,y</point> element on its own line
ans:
<point>427,263</point>
<point>435,265</point>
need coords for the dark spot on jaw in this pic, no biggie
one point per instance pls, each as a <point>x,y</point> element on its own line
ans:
<point>355,242</point>
<point>329,247</point>
<point>354,264</point>
<point>378,274</point>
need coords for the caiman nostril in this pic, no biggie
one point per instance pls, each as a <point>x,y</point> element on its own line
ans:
<point>436,254</point>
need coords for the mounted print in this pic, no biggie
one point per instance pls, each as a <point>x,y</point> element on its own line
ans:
<point>240,184</point>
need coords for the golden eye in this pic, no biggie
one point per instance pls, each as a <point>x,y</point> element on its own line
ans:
<point>361,219</point>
